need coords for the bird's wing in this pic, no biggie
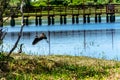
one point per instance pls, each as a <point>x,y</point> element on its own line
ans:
<point>36,40</point>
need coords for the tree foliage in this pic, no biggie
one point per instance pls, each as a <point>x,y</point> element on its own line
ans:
<point>71,2</point>
<point>3,6</point>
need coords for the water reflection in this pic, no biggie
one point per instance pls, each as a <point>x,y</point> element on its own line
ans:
<point>94,43</point>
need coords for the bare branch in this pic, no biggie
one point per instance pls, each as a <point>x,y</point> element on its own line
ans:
<point>21,30</point>
<point>19,36</point>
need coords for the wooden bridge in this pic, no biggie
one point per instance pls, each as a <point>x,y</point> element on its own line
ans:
<point>75,12</point>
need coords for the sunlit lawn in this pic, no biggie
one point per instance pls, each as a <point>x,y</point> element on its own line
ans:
<point>58,67</point>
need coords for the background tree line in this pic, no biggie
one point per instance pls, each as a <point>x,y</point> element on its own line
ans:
<point>71,2</point>
<point>62,2</point>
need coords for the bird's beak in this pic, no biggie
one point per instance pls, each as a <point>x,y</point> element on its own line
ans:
<point>47,41</point>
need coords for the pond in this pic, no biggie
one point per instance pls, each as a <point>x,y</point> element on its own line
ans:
<point>99,40</point>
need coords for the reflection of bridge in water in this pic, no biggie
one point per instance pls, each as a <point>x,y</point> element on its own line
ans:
<point>75,12</point>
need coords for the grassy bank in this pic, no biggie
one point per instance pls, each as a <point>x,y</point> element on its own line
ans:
<point>56,67</point>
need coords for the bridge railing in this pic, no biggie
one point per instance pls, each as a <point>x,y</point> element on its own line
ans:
<point>70,10</point>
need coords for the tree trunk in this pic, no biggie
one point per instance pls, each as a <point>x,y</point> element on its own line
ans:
<point>1,20</point>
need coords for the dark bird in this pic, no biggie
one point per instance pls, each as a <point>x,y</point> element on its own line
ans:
<point>20,49</point>
<point>39,38</point>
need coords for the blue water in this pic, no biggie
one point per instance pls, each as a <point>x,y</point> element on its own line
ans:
<point>68,27</point>
<point>100,40</point>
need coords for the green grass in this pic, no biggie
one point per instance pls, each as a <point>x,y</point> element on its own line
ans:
<point>56,67</point>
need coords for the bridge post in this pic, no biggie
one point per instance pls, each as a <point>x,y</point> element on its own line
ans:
<point>73,19</point>
<point>84,18</point>
<point>40,20</point>
<point>12,21</point>
<point>99,18</point>
<point>95,18</point>
<point>65,21</point>
<point>77,19</point>
<point>53,20</point>
<point>61,20</point>
<point>49,20</point>
<point>112,17</point>
<point>27,21</point>
<point>88,18</point>
<point>36,21</point>
<point>107,18</point>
